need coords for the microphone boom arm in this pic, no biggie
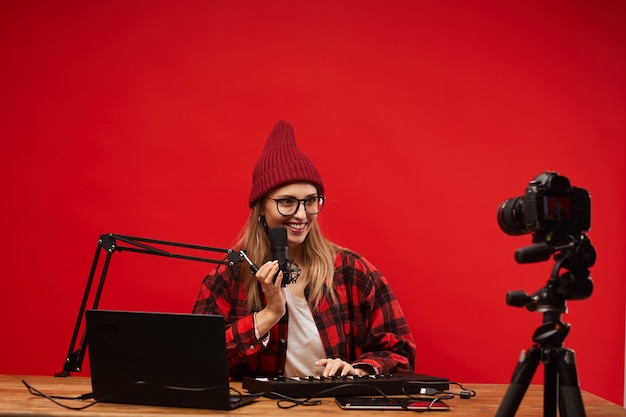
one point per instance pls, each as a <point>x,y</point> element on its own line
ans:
<point>108,243</point>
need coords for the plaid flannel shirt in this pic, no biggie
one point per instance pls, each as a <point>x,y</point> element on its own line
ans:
<point>367,326</point>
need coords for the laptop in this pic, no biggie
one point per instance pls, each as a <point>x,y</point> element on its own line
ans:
<point>161,359</point>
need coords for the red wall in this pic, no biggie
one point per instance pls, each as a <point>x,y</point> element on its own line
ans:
<point>145,118</point>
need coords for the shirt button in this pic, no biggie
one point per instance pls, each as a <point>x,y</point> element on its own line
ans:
<point>251,347</point>
<point>283,341</point>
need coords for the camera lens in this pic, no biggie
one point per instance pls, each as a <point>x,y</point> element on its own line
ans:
<point>511,217</point>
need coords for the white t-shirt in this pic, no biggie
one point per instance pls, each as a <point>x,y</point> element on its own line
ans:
<point>304,345</point>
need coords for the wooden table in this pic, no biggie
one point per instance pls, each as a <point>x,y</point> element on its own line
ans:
<point>15,400</point>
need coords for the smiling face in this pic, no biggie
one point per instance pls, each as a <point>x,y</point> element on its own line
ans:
<point>285,200</point>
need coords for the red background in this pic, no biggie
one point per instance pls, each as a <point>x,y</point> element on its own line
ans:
<point>145,118</point>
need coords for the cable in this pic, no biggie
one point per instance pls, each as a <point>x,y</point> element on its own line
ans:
<point>294,402</point>
<point>465,393</point>
<point>433,402</point>
<point>441,395</point>
<point>55,398</point>
<point>309,401</point>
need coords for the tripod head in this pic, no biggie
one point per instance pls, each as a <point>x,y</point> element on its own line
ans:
<point>575,257</point>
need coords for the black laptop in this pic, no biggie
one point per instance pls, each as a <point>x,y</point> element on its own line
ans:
<point>162,359</point>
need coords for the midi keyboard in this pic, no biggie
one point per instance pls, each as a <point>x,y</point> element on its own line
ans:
<point>317,386</point>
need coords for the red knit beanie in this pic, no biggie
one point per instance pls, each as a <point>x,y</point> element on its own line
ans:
<point>282,163</point>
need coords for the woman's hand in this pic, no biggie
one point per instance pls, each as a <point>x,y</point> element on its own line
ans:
<point>339,367</point>
<point>275,307</point>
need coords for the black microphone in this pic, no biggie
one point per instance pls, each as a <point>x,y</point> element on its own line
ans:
<point>278,245</point>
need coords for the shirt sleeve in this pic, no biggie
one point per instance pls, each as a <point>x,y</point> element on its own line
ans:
<point>387,343</point>
<point>219,295</point>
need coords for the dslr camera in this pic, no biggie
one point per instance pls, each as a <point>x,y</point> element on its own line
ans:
<point>551,208</point>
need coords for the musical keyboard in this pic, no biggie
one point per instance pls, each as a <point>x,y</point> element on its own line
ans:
<point>317,386</point>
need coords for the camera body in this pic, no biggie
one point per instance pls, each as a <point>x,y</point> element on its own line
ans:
<point>551,209</point>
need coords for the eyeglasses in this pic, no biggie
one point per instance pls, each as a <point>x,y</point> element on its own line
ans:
<point>288,206</point>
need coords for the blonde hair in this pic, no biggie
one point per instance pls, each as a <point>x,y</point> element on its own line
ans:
<point>317,251</point>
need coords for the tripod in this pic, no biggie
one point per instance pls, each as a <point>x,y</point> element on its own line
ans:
<point>561,386</point>
<point>560,378</point>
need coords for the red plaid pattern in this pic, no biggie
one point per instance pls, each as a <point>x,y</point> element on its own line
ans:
<point>366,326</point>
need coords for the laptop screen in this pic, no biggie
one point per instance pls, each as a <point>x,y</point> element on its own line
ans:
<point>158,359</point>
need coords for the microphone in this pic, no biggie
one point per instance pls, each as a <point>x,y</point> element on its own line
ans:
<point>278,245</point>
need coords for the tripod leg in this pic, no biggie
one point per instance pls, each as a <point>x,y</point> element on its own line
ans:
<point>522,377</point>
<point>571,401</point>
<point>550,386</point>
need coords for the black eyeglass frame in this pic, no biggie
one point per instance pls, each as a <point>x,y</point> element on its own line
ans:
<point>321,198</point>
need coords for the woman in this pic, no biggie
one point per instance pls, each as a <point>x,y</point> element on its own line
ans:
<point>340,316</point>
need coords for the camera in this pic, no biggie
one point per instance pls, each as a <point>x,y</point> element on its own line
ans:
<point>551,209</point>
